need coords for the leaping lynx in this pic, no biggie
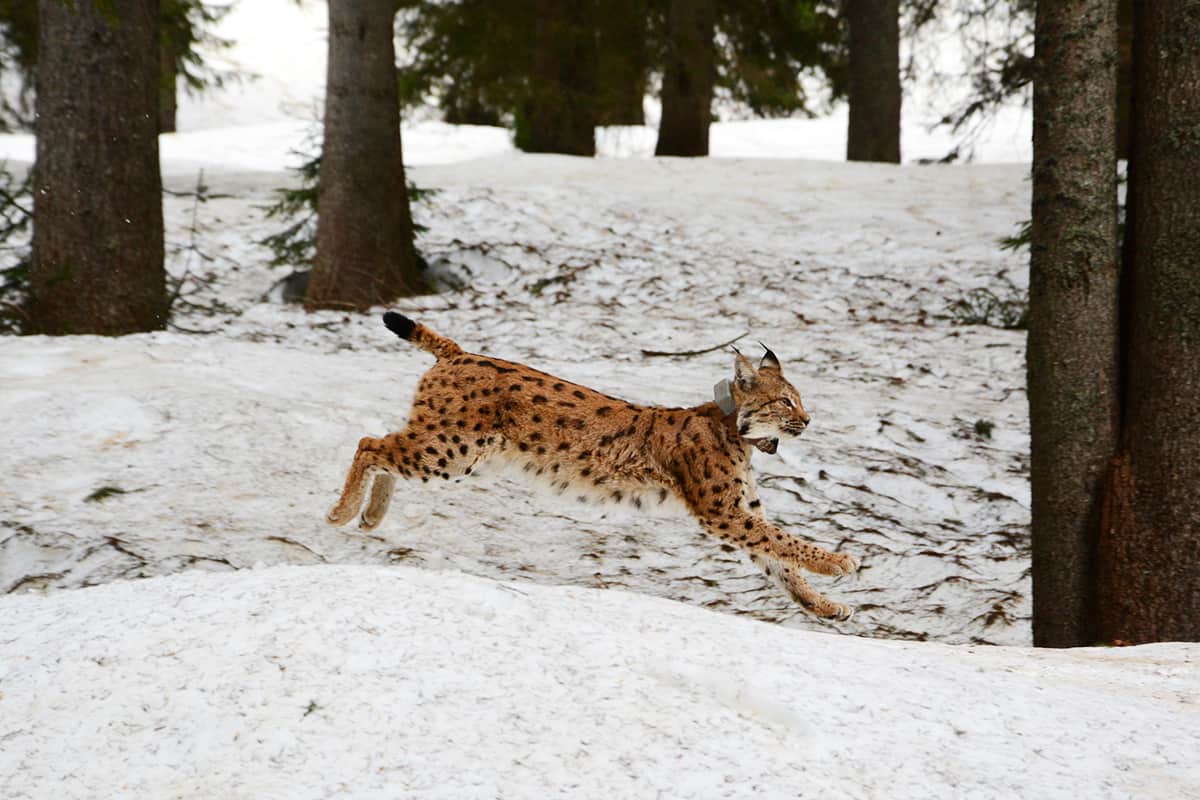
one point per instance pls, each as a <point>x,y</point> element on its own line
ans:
<point>471,408</point>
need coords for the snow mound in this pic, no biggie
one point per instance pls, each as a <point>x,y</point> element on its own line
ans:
<point>350,681</point>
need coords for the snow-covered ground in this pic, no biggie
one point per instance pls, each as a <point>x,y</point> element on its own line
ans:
<point>323,682</point>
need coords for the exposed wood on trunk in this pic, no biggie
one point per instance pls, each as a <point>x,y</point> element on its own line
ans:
<point>1150,552</point>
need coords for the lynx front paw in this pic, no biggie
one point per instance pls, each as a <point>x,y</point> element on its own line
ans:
<point>835,564</point>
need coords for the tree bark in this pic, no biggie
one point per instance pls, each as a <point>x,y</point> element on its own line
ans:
<point>98,226</point>
<point>1073,308</point>
<point>365,254</point>
<point>624,63</point>
<point>874,81</point>
<point>1149,577</point>
<point>688,77</point>
<point>559,112</point>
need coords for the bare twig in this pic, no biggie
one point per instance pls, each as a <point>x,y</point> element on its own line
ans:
<point>689,353</point>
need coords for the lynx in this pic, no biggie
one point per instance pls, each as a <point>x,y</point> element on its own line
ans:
<point>470,408</point>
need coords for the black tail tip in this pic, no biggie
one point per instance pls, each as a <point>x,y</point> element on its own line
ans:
<point>399,324</point>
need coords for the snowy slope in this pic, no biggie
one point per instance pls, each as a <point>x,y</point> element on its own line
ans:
<point>230,446</point>
<point>374,682</point>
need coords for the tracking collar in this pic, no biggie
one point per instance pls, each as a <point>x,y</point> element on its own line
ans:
<point>723,394</point>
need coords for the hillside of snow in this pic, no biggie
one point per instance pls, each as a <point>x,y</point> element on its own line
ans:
<point>219,444</point>
<point>374,682</point>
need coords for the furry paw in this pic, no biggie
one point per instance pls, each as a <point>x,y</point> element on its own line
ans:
<point>338,516</point>
<point>838,564</point>
<point>842,612</point>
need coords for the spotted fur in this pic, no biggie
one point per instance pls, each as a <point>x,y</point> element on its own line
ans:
<point>470,409</point>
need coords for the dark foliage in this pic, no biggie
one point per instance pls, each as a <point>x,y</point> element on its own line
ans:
<point>295,244</point>
<point>16,214</point>
<point>474,57</point>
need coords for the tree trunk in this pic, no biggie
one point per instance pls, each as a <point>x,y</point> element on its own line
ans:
<point>559,112</point>
<point>688,76</point>
<point>98,226</point>
<point>874,80</point>
<point>1124,77</point>
<point>365,254</point>
<point>624,63</point>
<point>1149,576</point>
<point>1073,307</point>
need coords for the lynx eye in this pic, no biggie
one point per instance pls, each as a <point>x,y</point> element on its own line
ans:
<point>787,401</point>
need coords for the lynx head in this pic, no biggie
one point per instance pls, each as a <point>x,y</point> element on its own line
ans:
<point>768,407</point>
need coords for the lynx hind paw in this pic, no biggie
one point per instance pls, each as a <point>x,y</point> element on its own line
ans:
<point>338,517</point>
<point>366,523</point>
<point>827,609</point>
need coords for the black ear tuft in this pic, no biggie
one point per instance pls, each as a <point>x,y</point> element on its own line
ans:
<point>769,360</point>
<point>399,324</point>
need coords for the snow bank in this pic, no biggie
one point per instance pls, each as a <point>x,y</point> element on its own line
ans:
<point>307,682</point>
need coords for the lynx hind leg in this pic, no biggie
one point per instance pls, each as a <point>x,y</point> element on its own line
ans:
<point>366,462</point>
<point>377,505</point>
<point>425,454</point>
<point>791,581</point>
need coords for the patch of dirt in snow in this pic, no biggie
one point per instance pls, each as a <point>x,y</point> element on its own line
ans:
<point>238,439</point>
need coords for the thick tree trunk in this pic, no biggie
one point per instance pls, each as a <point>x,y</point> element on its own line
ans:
<point>874,81</point>
<point>559,113</point>
<point>688,77</point>
<point>365,253</point>
<point>1124,77</point>
<point>98,225</point>
<point>1073,308</point>
<point>1149,576</point>
<point>624,63</point>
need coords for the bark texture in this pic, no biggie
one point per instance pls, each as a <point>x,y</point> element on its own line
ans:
<point>1149,579</point>
<point>98,227</point>
<point>688,77</point>
<point>623,62</point>
<point>365,254</point>
<point>874,81</point>
<point>559,112</point>
<point>1073,308</point>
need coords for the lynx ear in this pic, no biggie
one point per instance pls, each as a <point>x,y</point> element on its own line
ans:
<point>769,360</point>
<point>745,376</point>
